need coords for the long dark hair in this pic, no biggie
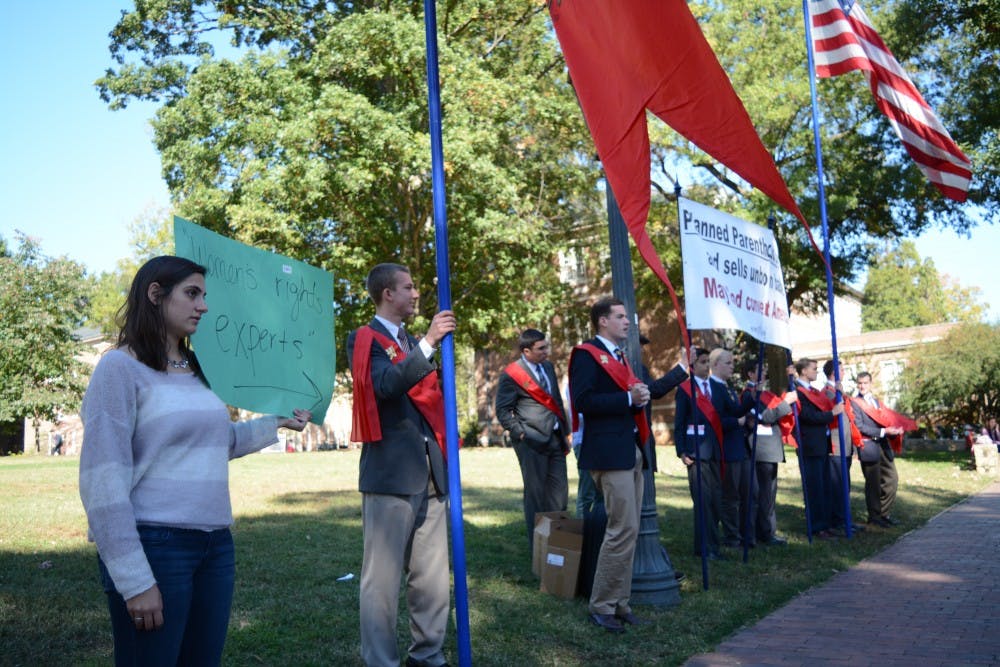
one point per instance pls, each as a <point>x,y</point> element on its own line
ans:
<point>140,321</point>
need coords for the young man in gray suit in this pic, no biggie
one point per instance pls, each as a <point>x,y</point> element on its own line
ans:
<point>529,406</point>
<point>399,416</point>
<point>763,423</point>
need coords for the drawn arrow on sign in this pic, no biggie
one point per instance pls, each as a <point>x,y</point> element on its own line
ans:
<point>314,393</point>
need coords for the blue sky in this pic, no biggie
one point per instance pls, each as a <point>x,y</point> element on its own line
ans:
<point>74,174</point>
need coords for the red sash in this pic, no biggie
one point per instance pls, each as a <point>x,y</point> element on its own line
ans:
<point>707,409</point>
<point>786,423</point>
<point>622,376</point>
<point>523,378</point>
<point>425,395</point>
<point>886,417</point>
<point>855,433</point>
<point>816,397</point>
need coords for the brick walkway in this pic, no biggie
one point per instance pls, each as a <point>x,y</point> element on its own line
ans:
<point>932,598</point>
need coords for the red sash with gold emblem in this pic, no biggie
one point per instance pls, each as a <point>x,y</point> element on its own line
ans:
<point>622,376</point>
<point>426,394</point>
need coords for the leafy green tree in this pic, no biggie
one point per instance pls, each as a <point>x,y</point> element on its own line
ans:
<point>314,142</point>
<point>905,291</point>
<point>873,189</point>
<point>150,234</point>
<point>955,380</point>
<point>42,301</point>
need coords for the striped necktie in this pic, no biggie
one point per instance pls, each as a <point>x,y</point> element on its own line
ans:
<point>404,340</point>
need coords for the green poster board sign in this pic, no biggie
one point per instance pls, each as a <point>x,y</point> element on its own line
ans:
<point>266,343</point>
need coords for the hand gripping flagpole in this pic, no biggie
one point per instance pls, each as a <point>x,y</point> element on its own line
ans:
<point>820,179</point>
<point>448,343</point>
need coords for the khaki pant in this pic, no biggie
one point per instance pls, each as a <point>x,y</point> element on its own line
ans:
<point>622,490</point>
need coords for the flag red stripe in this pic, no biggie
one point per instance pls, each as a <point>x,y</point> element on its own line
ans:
<point>843,43</point>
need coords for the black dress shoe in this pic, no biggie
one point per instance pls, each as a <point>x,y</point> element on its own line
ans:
<point>679,576</point>
<point>775,541</point>
<point>632,619</point>
<point>608,622</point>
<point>879,521</point>
<point>892,522</point>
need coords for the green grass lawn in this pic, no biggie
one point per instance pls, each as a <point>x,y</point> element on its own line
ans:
<point>298,529</point>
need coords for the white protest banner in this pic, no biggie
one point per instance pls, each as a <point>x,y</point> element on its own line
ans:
<point>732,275</point>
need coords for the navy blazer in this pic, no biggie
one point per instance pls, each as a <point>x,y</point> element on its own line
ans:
<point>408,452</point>
<point>525,418</point>
<point>609,437</point>
<point>729,410</point>
<point>814,427</point>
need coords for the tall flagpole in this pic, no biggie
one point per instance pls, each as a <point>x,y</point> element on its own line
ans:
<point>820,180</point>
<point>448,343</point>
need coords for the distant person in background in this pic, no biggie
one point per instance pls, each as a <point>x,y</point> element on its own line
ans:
<point>993,430</point>
<point>154,476</point>
<point>57,444</point>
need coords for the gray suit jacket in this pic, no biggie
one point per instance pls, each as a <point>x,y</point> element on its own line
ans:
<point>525,418</point>
<point>770,449</point>
<point>401,461</point>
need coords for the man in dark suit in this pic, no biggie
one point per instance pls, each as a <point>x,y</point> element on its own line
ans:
<point>399,416</point>
<point>816,412</point>
<point>605,390</point>
<point>737,478</point>
<point>852,439</point>
<point>881,479</point>
<point>699,447</point>
<point>764,428</point>
<point>529,406</point>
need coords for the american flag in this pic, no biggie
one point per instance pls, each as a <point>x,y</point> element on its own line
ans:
<point>845,40</point>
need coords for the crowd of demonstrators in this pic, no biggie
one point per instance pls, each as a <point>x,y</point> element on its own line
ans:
<point>157,440</point>
<point>154,475</point>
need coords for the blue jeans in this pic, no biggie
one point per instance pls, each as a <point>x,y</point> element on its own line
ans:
<point>194,570</point>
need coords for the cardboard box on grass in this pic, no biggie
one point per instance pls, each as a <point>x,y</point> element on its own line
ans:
<point>557,547</point>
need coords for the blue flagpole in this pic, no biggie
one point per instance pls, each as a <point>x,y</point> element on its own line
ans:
<point>448,344</point>
<point>771,221</point>
<point>820,181</point>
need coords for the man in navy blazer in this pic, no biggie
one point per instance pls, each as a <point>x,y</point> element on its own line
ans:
<point>611,399</point>
<point>814,445</point>
<point>530,407</point>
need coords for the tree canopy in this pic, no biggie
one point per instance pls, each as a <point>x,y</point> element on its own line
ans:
<point>43,300</point>
<point>314,141</point>
<point>301,126</point>
<point>957,379</point>
<point>904,290</point>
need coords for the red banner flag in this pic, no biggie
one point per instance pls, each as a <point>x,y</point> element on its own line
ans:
<point>845,40</point>
<point>627,57</point>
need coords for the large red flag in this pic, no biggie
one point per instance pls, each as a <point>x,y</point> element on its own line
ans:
<point>626,57</point>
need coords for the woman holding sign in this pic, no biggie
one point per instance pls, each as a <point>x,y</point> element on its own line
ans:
<point>154,475</point>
